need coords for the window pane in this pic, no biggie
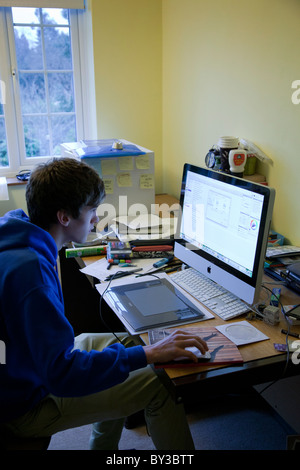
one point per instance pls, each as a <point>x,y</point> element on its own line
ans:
<point>36,136</point>
<point>3,144</point>
<point>28,47</point>
<point>32,90</point>
<point>25,15</point>
<point>45,72</point>
<point>61,94</point>
<point>58,48</point>
<point>63,130</point>
<point>55,16</point>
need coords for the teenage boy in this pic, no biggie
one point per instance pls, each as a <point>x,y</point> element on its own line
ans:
<point>52,381</point>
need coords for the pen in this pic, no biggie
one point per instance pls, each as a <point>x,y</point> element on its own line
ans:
<point>127,273</point>
<point>109,265</point>
<point>126,265</point>
<point>172,268</point>
<point>160,263</point>
<point>295,335</point>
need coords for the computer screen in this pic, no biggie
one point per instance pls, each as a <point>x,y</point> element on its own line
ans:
<point>224,229</point>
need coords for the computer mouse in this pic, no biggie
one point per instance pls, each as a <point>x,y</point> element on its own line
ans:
<point>205,357</point>
<point>201,357</point>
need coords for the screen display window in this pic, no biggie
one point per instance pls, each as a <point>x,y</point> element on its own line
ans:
<point>223,220</point>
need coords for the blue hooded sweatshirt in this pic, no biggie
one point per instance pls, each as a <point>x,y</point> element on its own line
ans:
<point>38,339</point>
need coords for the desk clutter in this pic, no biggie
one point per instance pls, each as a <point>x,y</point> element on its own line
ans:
<point>144,256</point>
<point>148,252</point>
<point>283,261</point>
<point>125,252</point>
<point>236,156</point>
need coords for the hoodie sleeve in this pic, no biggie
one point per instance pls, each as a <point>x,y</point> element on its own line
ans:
<point>64,371</point>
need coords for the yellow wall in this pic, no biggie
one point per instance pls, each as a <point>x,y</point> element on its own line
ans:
<point>128,73</point>
<point>228,66</point>
<point>16,199</point>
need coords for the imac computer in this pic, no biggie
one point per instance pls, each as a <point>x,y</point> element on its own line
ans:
<point>224,229</point>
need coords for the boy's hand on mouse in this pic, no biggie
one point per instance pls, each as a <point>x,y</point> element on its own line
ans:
<point>173,346</point>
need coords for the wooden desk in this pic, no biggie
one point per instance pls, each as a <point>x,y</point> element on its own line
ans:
<point>254,351</point>
<point>262,362</point>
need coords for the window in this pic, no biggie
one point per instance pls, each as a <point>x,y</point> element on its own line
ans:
<point>42,82</point>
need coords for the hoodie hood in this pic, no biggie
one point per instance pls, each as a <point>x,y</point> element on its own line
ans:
<point>16,231</point>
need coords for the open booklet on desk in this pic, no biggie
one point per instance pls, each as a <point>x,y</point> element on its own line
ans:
<point>221,349</point>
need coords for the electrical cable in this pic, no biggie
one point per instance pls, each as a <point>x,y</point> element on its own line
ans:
<point>100,303</point>
<point>286,342</point>
<point>100,310</point>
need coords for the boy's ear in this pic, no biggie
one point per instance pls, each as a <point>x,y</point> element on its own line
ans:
<point>63,218</point>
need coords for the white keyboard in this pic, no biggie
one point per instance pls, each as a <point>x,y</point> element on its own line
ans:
<point>215,297</point>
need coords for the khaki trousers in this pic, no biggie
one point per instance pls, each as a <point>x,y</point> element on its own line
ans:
<point>107,410</point>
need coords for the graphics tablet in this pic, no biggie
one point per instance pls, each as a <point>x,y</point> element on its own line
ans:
<point>152,304</point>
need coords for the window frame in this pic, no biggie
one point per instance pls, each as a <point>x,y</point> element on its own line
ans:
<point>84,88</point>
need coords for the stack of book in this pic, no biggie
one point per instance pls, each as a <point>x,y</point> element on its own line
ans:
<point>125,251</point>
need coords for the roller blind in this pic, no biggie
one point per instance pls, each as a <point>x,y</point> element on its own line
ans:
<point>78,4</point>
